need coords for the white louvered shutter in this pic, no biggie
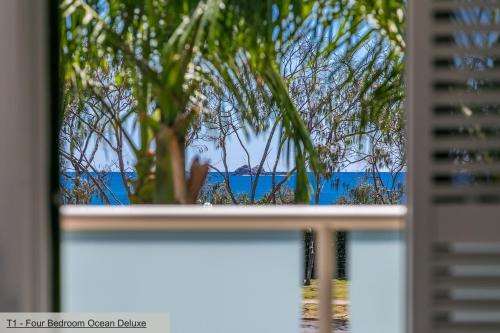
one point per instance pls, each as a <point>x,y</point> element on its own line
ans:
<point>454,174</point>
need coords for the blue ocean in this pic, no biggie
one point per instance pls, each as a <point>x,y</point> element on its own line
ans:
<point>332,189</point>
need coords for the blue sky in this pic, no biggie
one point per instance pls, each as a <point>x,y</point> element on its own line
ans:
<point>236,156</point>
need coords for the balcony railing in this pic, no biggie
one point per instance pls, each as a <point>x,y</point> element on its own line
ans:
<point>325,221</point>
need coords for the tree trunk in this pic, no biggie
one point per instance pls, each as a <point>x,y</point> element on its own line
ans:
<point>317,192</point>
<point>171,184</point>
<point>170,174</point>
<point>309,260</point>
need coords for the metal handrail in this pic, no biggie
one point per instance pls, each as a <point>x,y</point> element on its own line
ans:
<point>152,217</point>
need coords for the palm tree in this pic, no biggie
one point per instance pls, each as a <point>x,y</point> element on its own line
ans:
<point>165,51</point>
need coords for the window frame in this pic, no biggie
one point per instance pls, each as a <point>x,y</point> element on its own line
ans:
<point>29,223</point>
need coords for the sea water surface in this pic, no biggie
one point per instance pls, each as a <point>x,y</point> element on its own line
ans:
<point>332,189</point>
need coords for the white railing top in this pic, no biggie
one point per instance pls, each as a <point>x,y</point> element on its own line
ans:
<point>196,217</point>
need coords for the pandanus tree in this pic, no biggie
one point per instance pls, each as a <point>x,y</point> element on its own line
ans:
<point>165,51</point>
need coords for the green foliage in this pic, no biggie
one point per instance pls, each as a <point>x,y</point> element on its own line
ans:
<point>372,35</point>
<point>78,190</point>
<point>370,194</point>
<point>81,186</point>
<point>165,51</point>
<point>217,194</point>
<point>340,290</point>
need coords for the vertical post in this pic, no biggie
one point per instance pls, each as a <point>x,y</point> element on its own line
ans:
<point>325,274</point>
<point>421,217</point>
<point>25,235</point>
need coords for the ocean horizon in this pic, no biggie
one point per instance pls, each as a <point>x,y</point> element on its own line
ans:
<point>332,189</point>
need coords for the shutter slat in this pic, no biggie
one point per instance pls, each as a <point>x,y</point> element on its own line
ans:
<point>466,259</point>
<point>452,52</point>
<point>467,327</point>
<point>465,144</point>
<point>464,305</point>
<point>463,120</point>
<point>449,6</point>
<point>463,74</point>
<point>471,190</point>
<point>466,168</point>
<point>467,97</point>
<point>475,282</point>
<point>453,27</point>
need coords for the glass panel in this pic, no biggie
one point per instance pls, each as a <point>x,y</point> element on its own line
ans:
<point>377,279</point>
<point>208,282</point>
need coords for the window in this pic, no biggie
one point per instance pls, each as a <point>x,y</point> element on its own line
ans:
<point>208,103</point>
<point>452,228</point>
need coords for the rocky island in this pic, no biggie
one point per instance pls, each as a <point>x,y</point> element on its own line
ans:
<point>245,170</point>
